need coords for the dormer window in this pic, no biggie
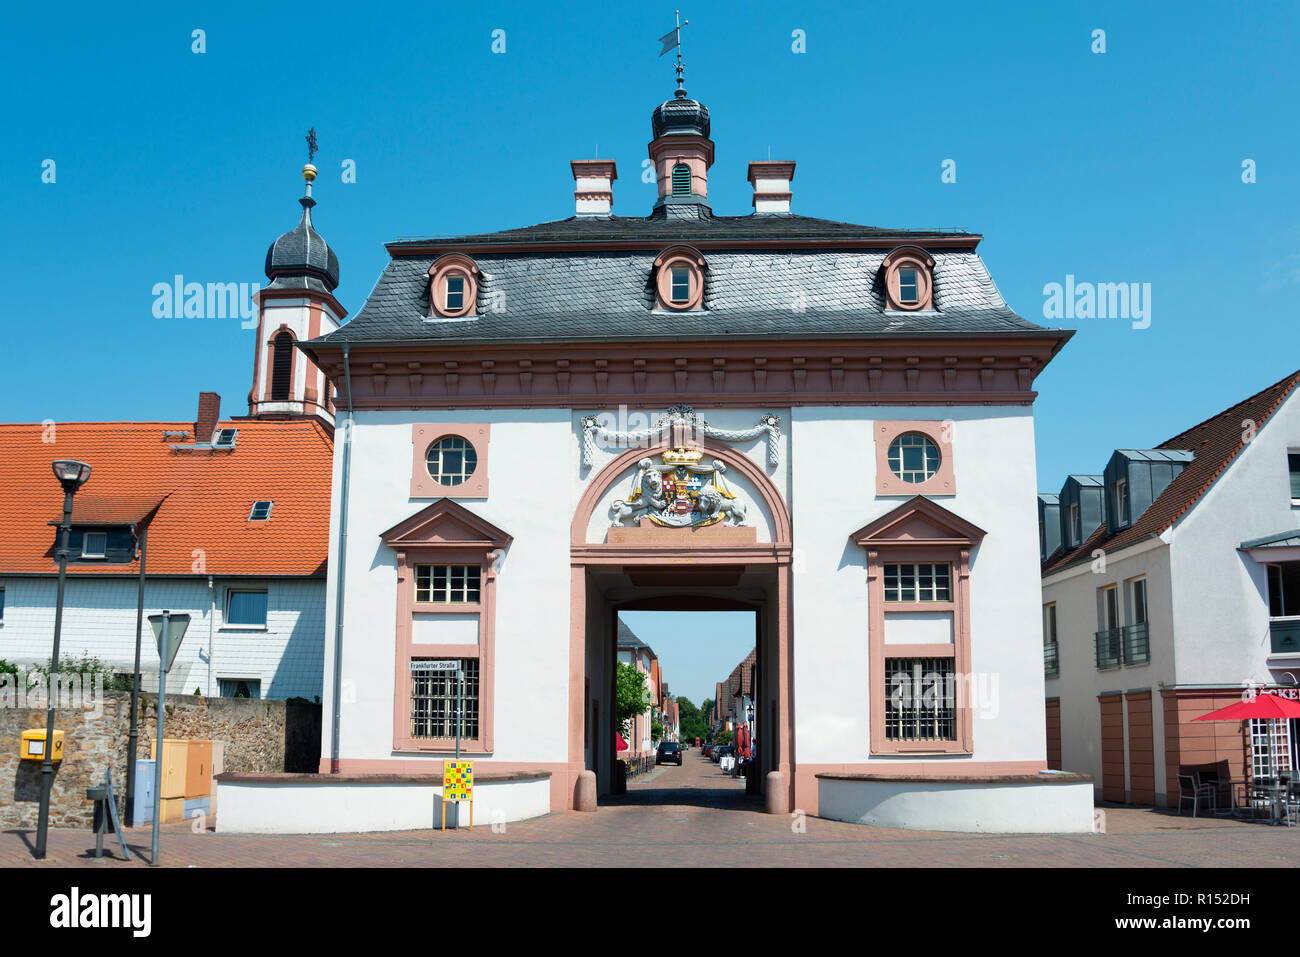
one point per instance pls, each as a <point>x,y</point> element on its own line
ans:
<point>1076,526</point>
<point>679,278</point>
<point>908,279</point>
<point>681,180</point>
<point>94,544</point>
<point>453,287</point>
<point>454,300</point>
<point>681,284</point>
<point>1121,502</point>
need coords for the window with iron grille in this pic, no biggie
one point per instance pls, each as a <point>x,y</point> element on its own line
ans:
<point>433,702</point>
<point>681,180</point>
<point>920,699</point>
<point>452,584</point>
<point>924,581</point>
<point>281,366</point>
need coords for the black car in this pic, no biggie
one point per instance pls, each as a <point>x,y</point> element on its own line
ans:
<point>669,751</point>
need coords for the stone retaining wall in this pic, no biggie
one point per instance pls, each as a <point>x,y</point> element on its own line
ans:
<point>253,730</point>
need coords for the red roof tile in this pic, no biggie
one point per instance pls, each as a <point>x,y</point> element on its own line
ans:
<point>1214,444</point>
<point>201,526</point>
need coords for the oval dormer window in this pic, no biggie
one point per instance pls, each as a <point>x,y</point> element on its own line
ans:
<point>453,286</point>
<point>908,279</point>
<point>681,180</point>
<point>679,278</point>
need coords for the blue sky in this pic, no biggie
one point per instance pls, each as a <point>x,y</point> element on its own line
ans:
<point>696,649</point>
<point>1123,166</point>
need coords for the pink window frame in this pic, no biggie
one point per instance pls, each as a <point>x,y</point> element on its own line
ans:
<point>943,482</point>
<point>453,264</point>
<point>909,257</point>
<point>919,531</point>
<point>425,434</point>
<point>681,257</point>
<point>445,533</point>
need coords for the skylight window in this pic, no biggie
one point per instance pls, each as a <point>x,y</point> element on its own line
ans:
<point>261,512</point>
<point>226,438</point>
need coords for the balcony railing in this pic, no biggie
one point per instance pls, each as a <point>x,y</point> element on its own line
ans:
<point>1109,643</point>
<point>1137,645</point>
<point>1284,635</point>
<point>1051,660</point>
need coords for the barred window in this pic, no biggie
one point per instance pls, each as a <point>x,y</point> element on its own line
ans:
<point>924,581</point>
<point>433,702</point>
<point>920,699</point>
<point>452,584</point>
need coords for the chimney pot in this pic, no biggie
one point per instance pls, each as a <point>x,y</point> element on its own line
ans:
<point>209,415</point>
<point>593,180</point>
<point>771,179</point>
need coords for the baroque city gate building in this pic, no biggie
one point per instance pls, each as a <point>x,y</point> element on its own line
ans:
<point>828,423</point>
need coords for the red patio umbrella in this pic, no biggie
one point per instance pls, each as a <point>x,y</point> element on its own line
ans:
<point>1260,707</point>
<point>619,743</point>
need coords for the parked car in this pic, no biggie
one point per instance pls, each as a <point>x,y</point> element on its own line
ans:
<point>707,750</point>
<point>725,751</point>
<point>669,751</point>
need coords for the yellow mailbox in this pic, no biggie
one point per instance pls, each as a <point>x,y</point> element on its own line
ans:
<point>34,745</point>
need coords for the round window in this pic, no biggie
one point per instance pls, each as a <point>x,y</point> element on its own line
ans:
<point>913,457</point>
<point>451,460</point>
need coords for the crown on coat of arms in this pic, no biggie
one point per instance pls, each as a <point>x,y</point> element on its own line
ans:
<point>682,457</point>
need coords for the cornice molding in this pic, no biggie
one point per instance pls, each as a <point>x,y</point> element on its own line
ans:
<point>709,374</point>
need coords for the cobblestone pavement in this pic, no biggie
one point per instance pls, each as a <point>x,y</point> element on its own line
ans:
<point>696,816</point>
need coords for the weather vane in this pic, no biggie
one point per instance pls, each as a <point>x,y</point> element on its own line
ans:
<point>673,40</point>
<point>311,145</point>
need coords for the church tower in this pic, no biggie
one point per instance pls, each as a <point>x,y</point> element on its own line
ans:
<point>298,305</point>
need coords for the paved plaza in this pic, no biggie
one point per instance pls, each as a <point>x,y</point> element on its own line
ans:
<point>696,816</point>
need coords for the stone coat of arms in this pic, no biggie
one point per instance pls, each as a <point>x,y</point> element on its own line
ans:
<point>679,491</point>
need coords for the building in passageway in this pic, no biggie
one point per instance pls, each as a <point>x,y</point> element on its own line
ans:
<point>828,424</point>
<point>1171,587</point>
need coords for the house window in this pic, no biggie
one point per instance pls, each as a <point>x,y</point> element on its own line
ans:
<point>1051,657</point>
<point>1110,607</point>
<point>434,696</point>
<point>1076,526</point>
<point>93,544</point>
<point>1139,601</point>
<point>924,581</point>
<point>913,457</point>
<point>920,699</point>
<point>1121,503</point>
<point>260,511</point>
<point>1293,463</point>
<point>681,284</point>
<point>451,460</point>
<point>2,604</point>
<point>681,180</point>
<point>448,584</point>
<point>908,286</point>
<point>455,294</point>
<point>1284,589</point>
<point>281,366</point>
<point>246,607</point>
<point>239,687</point>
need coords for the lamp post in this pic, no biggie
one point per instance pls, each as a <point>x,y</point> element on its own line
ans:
<point>71,475</point>
<point>168,632</point>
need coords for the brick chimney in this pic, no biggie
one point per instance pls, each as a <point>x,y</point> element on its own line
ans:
<point>593,186</point>
<point>209,414</point>
<point>771,179</point>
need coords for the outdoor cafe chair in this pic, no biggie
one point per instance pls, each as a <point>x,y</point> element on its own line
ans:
<point>1189,790</point>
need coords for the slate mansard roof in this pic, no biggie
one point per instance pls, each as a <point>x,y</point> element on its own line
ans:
<point>768,275</point>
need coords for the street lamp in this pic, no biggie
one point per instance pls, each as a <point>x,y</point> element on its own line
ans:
<point>71,475</point>
<point>168,632</point>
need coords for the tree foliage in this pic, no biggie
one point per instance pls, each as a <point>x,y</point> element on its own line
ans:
<point>631,696</point>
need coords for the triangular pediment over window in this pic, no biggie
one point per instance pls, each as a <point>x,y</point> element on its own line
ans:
<point>445,522</point>
<point>919,521</point>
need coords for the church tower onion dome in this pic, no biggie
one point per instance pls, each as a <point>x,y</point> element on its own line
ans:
<point>302,254</point>
<point>680,115</point>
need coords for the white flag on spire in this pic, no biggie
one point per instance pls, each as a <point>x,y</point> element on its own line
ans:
<point>670,40</point>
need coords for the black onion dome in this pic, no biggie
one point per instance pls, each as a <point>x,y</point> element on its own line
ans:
<point>681,114</point>
<point>302,252</point>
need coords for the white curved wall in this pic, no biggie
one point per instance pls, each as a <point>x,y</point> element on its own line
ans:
<point>971,808</point>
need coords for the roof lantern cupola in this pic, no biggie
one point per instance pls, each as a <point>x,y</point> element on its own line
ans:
<point>301,258</point>
<point>681,149</point>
